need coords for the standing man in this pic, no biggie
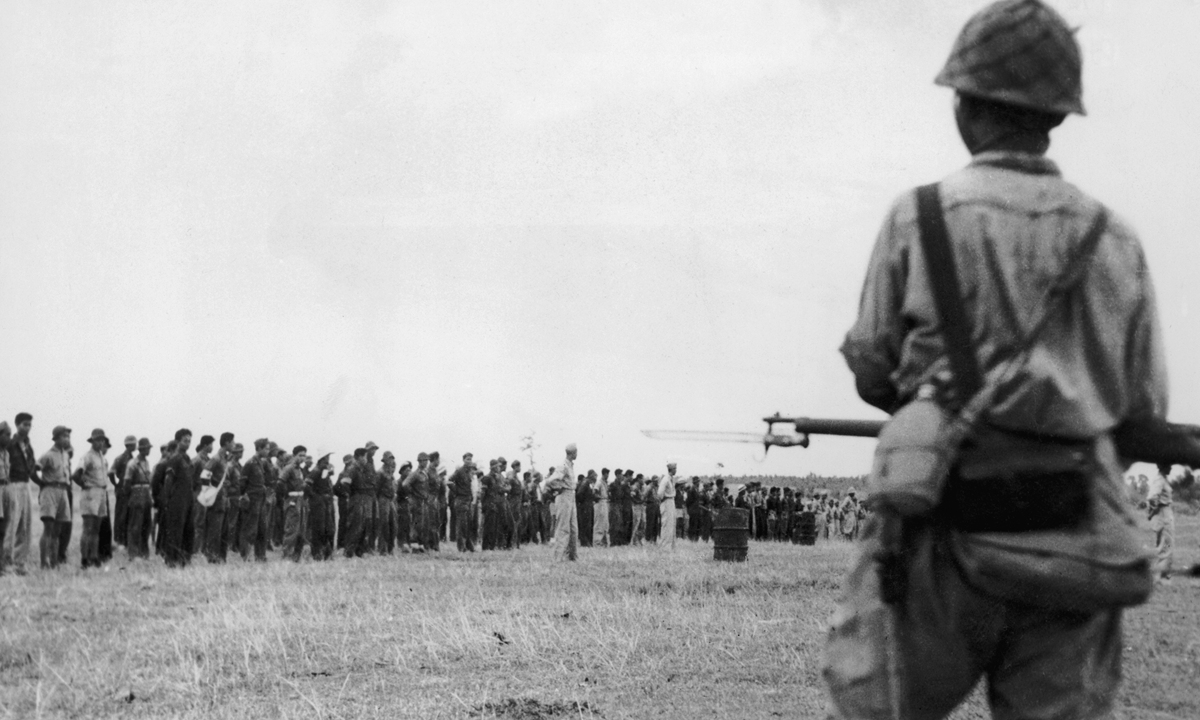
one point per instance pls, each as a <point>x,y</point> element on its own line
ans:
<point>233,502</point>
<point>415,486</point>
<point>319,490</point>
<point>516,499</point>
<point>93,499</point>
<point>461,495</point>
<point>385,508</point>
<point>372,520</point>
<point>341,489</point>
<point>1014,228</point>
<point>435,501</point>
<point>292,482</point>
<point>585,507</point>
<point>566,523</point>
<point>600,527</point>
<point>179,500</point>
<point>637,496</point>
<point>1162,521</point>
<point>203,477</point>
<point>216,474</point>
<point>118,480</point>
<point>5,438</point>
<point>253,513</point>
<point>18,508</point>
<point>136,485</point>
<point>362,505</point>
<point>666,507</point>
<point>55,510</point>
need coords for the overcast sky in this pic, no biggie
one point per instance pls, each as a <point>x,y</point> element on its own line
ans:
<point>446,225</point>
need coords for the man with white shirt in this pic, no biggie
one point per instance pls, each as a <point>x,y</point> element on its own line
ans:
<point>666,507</point>
<point>55,466</point>
<point>93,499</point>
<point>566,522</point>
<point>1162,518</point>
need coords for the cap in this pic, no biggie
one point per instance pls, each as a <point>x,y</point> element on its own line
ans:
<point>143,444</point>
<point>370,446</point>
<point>131,440</point>
<point>60,430</point>
<point>422,456</point>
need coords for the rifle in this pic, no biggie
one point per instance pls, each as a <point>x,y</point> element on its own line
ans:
<point>1149,440</point>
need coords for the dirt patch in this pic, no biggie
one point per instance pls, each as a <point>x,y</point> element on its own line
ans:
<point>531,709</point>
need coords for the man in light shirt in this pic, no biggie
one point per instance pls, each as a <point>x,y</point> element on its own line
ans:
<point>566,521</point>
<point>1162,517</point>
<point>93,500</point>
<point>666,507</point>
<point>55,466</point>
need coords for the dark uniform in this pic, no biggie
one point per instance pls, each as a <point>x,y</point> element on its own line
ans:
<point>253,520</point>
<point>319,492</point>
<point>461,495</point>
<point>179,501</point>
<point>385,511</point>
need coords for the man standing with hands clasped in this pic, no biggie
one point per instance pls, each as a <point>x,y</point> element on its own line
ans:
<point>1015,567</point>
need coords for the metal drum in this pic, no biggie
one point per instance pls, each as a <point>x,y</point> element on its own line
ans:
<point>806,528</point>
<point>731,534</point>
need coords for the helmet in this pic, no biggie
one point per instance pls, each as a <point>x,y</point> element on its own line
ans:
<point>1019,52</point>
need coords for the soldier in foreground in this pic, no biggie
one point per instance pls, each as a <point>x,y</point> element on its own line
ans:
<point>912,639</point>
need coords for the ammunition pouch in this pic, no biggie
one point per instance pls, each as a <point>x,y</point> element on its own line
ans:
<point>1010,482</point>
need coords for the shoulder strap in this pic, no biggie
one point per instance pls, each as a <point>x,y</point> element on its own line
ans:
<point>947,296</point>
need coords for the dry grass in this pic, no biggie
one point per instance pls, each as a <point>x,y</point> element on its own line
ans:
<point>628,632</point>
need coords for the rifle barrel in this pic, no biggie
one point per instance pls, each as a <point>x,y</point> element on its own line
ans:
<point>830,426</point>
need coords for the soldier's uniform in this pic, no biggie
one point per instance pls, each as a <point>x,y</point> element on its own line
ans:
<point>385,510</point>
<point>233,504</point>
<point>254,510</point>
<point>461,494</point>
<point>362,509</point>
<point>1013,226</point>
<point>295,510</point>
<point>136,485</point>
<point>319,493</point>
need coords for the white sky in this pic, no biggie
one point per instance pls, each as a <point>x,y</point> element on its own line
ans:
<point>445,225</point>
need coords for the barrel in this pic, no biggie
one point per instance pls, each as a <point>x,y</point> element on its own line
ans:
<point>731,534</point>
<point>806,528</point>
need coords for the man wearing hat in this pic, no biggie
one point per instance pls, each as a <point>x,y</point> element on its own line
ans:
<point>119,465</point>
<point>202,477</point>
<point>370,530</point>
<point>55,466</point>
<point>135,483</point>
<point>971,598</point>
<point>178,502</point>
<point>93,500</point>
<point>417,485</point>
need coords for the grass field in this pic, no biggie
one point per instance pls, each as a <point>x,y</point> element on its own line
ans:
<point>623,633</point>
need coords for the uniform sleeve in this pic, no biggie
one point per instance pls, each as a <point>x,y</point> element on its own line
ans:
<point>872,346</point>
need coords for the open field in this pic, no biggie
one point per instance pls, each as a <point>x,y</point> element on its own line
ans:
<point>623,633</point>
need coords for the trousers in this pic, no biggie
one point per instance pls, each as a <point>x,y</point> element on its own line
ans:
<point>566,527</point>
<point>925,655</point>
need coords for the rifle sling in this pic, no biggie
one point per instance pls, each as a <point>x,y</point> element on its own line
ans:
<point>947,295</point>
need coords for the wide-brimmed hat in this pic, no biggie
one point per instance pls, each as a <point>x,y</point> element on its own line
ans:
<point>144,443</point>
<point>131,440</point>
<point>98,434</point>
<point>370,446</point>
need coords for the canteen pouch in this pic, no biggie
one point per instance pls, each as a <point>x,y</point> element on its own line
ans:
<point>1097,563</point>
<point>916,449</point>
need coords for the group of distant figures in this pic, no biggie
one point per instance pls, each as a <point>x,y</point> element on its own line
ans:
<point>219,501</point>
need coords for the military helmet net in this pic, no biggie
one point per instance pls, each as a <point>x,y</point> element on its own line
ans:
<point>1019,52</point>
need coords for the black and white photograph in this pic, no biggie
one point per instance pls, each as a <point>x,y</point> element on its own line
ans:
<point>542,360</point>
